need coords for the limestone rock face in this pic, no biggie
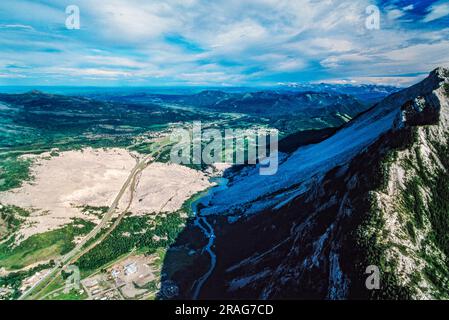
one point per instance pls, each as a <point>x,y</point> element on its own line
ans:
<point>375,193</point>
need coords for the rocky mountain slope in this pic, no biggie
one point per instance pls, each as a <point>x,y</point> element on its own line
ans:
<point>374,193</point>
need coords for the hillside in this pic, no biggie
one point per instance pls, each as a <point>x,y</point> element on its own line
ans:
<point>283,110</point>
<point>374,193</point>
<point>287,111</point>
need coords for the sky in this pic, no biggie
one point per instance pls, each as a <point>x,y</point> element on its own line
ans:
<point>221,42</point>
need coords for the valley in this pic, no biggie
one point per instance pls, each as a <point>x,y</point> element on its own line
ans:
<point>101,182</point>
<point>95,184</point>
<point>223,158</point>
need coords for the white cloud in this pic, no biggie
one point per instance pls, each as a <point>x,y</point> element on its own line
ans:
<point>132,23</point>
<point>16,26</point>
<point>95,72</point>
<point>395,14</point>
<point>113,61</point>
<point>239,35</point>
<point>289,65</point>
<point>437,11</point>
<point>344,59</point>
<point>386,81</point>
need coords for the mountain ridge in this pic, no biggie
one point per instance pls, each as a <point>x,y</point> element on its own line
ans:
<point>370,209</point>
<point>351,138</point>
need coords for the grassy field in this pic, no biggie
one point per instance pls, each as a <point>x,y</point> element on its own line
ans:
<point>43,246</point>
<point>72,295</point>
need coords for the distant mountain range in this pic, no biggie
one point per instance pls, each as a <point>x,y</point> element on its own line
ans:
<point>367,93</point>
<point>271,103</point>
<point>285,110</point>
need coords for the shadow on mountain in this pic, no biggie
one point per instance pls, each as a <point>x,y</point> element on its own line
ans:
<point>187,261</point>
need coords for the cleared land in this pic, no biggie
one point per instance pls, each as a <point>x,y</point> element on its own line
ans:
<point>164,187</point>
<point>63,186</point>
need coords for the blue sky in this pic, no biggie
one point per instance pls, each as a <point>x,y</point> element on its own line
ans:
<point>220,42</point>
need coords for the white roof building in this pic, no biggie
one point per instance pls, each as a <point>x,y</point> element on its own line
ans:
<point>130,268</point>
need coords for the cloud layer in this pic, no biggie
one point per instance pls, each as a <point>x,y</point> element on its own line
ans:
<point>220,43</point>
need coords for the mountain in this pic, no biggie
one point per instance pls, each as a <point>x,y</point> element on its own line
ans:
<point>41,118</point>
<point>286,111</point>
<point>375,193</point>
<point>272,103</point>
<point>60,106</point>
<point>289,112</point>
<point>267,103</point>
<point>367,93</point>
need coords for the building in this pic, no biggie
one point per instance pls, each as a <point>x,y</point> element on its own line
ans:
<point>130,268</point>
<point>115,273</point>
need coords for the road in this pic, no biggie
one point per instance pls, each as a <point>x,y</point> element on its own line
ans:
<point>78,250</point>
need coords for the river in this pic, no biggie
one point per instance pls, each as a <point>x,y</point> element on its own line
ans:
<point>208,231</point>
